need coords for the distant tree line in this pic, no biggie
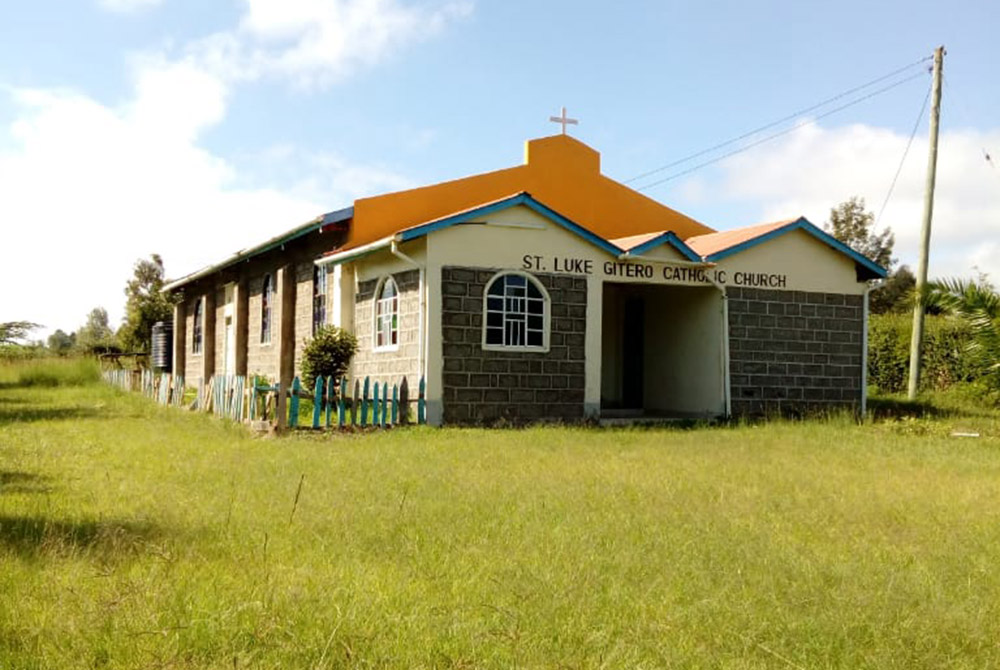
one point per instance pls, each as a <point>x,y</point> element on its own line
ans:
<point>145,304</point>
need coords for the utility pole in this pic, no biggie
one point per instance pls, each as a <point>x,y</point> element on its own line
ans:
<point>917,340</point>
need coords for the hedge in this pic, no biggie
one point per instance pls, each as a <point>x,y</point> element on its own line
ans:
<point>944,360</point>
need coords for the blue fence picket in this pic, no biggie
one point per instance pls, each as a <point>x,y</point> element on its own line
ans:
<point>385,402</point>
<point>340,402</point>
<point>364,404</point>
<point>395,404</point>
<point>355,402</point>
<point>422,403</point>
<point>293,404</point>
<point>376,406</point>
<point>330,394</point>
<point>317,400</point>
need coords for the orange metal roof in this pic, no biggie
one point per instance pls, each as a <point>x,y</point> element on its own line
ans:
<point>711,243</point>
<point>559,170</point>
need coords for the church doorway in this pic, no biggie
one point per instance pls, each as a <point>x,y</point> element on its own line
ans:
<point>662,351</point>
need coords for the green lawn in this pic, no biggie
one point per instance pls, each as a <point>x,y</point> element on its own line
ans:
<point>138,536</point>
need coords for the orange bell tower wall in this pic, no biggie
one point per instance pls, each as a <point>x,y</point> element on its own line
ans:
<point>560,171</point>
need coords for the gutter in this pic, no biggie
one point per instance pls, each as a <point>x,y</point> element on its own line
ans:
<point>357,252</point>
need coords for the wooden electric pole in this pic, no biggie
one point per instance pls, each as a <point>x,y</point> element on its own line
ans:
<point>917,339</point>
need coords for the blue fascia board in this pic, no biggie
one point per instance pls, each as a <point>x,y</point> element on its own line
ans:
<point>338,216</point>
<point>805,225</point>
<point>666,238</point>
<point>500,205</point>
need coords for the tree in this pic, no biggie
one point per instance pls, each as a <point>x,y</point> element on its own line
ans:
<point>61,343</point>
<point>12,332</point>
<point>145,304</point>
<point>327,354</point>
<point>895,295</point>
<point>978,304</point>
<point>96,336</point>
<point>854,226</point>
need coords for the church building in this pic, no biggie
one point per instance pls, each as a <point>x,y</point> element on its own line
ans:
<point>545,291</point>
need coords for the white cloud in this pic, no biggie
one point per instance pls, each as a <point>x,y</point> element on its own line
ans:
<point>318,42</point>
<point>126,6</point>
<point>816,168</point>
<point>86,189</point>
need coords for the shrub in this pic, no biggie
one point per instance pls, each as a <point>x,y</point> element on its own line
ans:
<point>328,353</point>
<point>944,358</point>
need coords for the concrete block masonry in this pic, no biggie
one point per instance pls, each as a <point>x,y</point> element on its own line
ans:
<point>482,386</point>
<point>794,351</point>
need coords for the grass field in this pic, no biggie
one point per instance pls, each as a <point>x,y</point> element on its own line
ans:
<point>138,536</point>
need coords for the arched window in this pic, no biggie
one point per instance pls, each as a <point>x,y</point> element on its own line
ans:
<point>387,315</point>
<point>196,330</point>
<point>516,313</point>
<point>266,300</point>
<point>319,297</point>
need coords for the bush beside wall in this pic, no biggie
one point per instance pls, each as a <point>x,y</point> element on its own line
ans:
<point>944,357</point>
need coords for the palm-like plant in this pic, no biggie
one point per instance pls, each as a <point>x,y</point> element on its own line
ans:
<point>978,304</point>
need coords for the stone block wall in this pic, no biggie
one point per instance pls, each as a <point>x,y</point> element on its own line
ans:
<point>389,366</point>
<point>792,351</point>
<point>262,359</point>
<point>519,386</point>
<point>304,309</point>
<point>220,330</point>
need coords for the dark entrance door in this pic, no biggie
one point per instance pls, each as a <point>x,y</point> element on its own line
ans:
<point>633,345</point>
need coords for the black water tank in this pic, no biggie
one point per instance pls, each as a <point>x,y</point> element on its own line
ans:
<point>163,346</point>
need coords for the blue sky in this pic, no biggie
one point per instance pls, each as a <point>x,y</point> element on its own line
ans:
<point>193,129</point>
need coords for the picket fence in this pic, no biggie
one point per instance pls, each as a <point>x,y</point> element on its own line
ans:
<point>246,400</point>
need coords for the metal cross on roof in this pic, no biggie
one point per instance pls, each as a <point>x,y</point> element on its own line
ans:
<point>563,120</point>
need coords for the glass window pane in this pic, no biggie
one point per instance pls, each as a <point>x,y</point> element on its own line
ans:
<point>534,338</point>
<point>494,336</point>
<point>535,322</point>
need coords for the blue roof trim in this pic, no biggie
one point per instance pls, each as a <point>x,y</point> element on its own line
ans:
<point>500,205</point>
<point>666,238</point>
<point>803,224</point>
<point>338,216</point>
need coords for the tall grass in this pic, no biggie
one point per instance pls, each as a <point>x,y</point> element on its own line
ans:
<point>138,536</point>
<point>49,372</point>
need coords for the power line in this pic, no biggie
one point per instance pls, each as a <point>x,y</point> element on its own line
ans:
<point>779,121</point>
<point>781,133</point>
<point>913,133</point>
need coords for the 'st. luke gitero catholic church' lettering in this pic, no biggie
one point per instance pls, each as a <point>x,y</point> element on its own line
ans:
<point>545,291</point>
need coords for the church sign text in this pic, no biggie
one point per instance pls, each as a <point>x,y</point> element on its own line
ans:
<point>652,271</point>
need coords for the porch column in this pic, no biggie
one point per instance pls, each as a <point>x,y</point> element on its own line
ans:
<point>592,347</point>
<point>286,337</point>
<point>241,314</point>
<point>208,317</point>
<point>180,339</point>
